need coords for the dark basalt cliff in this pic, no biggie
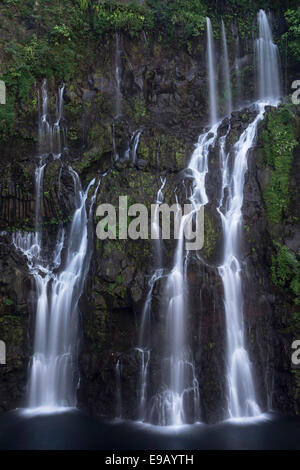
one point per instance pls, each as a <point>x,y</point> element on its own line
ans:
<point>163,95</point>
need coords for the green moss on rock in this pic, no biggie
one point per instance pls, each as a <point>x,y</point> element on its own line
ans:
<point>279,139</point>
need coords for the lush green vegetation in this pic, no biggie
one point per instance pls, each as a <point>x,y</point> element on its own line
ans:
<point>49,38</point>
<point>286,272</point>
<point>113,16</point>
<point>162,15</point>
<point>38,40</point>
<point>177,19</point>
<point>280,139</point>
<point>190,16</point>
<point>279,142</point>
<point>292,36</point>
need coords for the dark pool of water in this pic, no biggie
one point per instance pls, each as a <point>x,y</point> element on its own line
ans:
<point>74,430</point>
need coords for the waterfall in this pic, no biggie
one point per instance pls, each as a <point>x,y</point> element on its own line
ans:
<point>242,400</point>
<point>155,228</point>
<point>144,341</point>
<point>118,76</point>
<point>179,385</point>
<point>59,284</point>
<point>241,392</point>
<point>238,77</point>
<point>267,62</point>
<point>51,142</point>
<point>143,348</point>
<point>115,157</point>
<point>136,139</point>
<point>58,130</point>
<point>118,390</point>
<point>39,179</point>
<point>178,401</point>
<point>211,67</point>
<point>228,97</point>
<point>130,152</point>
<point>51,132</point>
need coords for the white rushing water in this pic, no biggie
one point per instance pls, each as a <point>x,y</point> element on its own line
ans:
<point>242,399</point>
<point>178,402</point>
<point>238,76</point>
<point>51,132</point>
<point>155,227</point>
<point>59,280</point>
<point>144,342</point>
<point>143,348</point>
<point>135,143</point>
<point>267,62</point>
<point>227,88</point>
<point>52,142</point>
<point>59,284</point>
<point>118,371</point>
<point>211,67</point>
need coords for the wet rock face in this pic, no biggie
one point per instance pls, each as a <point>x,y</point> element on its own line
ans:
<point>268,308</point>
<point>16,293</point>
<point>164,97</point>
<point>122,270</point>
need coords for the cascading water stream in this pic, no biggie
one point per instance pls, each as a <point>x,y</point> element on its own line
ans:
<point>238,76</point>
<point>143,348</point>
<point>58,130</point>
<point>267,62</point>
<point>211,67</point>
<point>118,371</point>
<point>144,339</point>
<point>180,388</point>
<point>52,381</point>
<point>51,133</point>
<point>155,228</point>
<point>242,400</point>
<point>241,392</point>
<point>178,402</point>
<point>59,284</point>
<point>136,139</point>
<point>144,342</point>
<point>39,179</point>
<point>51,141</point>
<point>116,156</point>
<point>228,95</point>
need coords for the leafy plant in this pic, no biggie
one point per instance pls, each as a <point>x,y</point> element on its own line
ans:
<point>279,142</point>
<point>286,272</point>
<point>8,302</point>
<point>114,16</point>
<point>59,33</point>
<point>292,36</point>
<point>188,15</point>
<point>139,108</point>
<point>83,4</point>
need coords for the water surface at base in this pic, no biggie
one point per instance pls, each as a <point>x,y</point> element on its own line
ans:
<point>74,430</point>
